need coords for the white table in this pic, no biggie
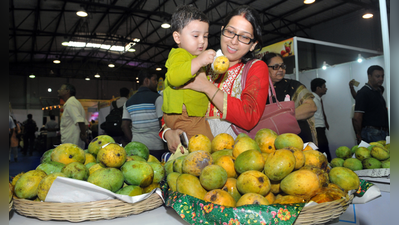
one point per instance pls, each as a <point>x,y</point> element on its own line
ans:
<point>372,213</point>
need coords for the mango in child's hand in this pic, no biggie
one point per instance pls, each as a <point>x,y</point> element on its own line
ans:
<point>220,64</point>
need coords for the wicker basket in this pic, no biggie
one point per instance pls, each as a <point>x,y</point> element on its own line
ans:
<point>78,212</point>
<point>324,212</point>
<point>10,206</point>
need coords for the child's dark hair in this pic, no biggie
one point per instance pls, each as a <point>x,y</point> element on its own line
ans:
<point>252,16</point>
<point>185,14</point>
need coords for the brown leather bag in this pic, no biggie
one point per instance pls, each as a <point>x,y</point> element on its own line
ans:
<point>278,116</point>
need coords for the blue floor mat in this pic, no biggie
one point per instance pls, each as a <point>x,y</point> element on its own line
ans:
<point>24,164</point>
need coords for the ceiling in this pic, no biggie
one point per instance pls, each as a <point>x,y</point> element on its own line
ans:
<point>38,27</point>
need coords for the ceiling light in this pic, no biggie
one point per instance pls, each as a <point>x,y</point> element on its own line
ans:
<point>87,78</point>
<point>56,61</point>
<point>137,82</point>
<point>165,25</point>
<point>158,69</point>
<point>136,40</point>
<point>65,43</point>
<point>325,65</point>
<point>97,75</point>
<point>309,1</point>
<point>49,90</point>
<point>131,50</point>
<point>32,76</point>
<point>360,58</point>
<point>82,12</point>
<point>137,78</point>
<point>367,15</point>
<point>111,65</point>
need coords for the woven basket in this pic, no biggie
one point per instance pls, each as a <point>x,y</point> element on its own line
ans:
<point>10,206</point>
<point>78,212</point>
<point>323,212</point>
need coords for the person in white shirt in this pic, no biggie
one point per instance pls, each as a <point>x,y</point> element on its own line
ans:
<point>73,120</point>
<point>318,87</point>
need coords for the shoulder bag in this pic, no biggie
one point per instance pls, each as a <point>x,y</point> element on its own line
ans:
<point>279,116</point>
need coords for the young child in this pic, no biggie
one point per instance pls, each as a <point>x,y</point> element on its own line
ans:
<point>184,108</point>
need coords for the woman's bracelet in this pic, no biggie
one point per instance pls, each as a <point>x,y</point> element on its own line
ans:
<point>163,134</point>
<point>214,94</point>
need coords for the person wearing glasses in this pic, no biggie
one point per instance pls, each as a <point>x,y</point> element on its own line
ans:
<point>240,40</point>
<point>293,90</point>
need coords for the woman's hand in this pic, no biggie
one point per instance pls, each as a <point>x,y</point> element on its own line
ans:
<point>199,83</point>
<point>173,140</point>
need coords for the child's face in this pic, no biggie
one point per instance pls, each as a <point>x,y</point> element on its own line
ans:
<point>193,37</point>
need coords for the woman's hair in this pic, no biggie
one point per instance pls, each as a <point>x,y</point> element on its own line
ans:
<point>268,57</point>
<point>252,16</point>
<point>185,14</point>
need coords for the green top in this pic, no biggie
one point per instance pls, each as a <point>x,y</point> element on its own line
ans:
<point>178,74</point>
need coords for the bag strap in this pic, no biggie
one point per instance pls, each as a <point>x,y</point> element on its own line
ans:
<point>247,66</point>
<point>114,105</point>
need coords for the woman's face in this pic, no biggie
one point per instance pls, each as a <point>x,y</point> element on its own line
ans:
<point>276,75</point>
<point>233,49</point>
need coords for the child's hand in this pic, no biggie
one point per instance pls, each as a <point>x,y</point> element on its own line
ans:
<point>206,57</point>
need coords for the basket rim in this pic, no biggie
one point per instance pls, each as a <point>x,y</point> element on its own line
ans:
<point>82,211</point>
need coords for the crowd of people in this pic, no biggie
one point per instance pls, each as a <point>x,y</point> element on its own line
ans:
<point>197,100</point>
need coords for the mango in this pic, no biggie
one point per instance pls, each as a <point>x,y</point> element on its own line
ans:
<point>253,181</point>
<point>220,153</point>
<point>196,161</point>
<point>362,153</point>
<point>343,152</point>
<point>190,185</point>
<point>27,185</point>
<point>108,178</point>
<point>337,162</point>
<point>371,163</point>
<point>222,141</point>
<point>244,144</point>
<point>231,187</point>
<point>171,180</point>
<point>199,142</point>
<point>252,199</point>
<point>249,160</point>
<point>227,162</point>
<point>279,164</point>
<point>112,155</point>
<point>137,148</point>
<point>301,183</point>
<point>130,190</point>
<point>265,139</point>
<point>353,164</point>
<point>288,140</point>
<point>386,163</point>
<point>178,164</point>
<point>67,153</point>
<point>159,171</point>
<point>213,177</point>
<point>137,173</point>
<point>46,157</point>
<point>220,197</point>
<point>96,144</point>
<point>169,167</point>
<point>379,153</point>
<point>345,178</point>
<point>76,170</point>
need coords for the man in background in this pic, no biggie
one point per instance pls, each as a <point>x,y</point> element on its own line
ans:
<point>142,115</point>
<point>370,120</point>
<point>318,87</point>
<point>118,106</point>
<point>73,121</point>
<point>29,129</point>
<point>52,128</point>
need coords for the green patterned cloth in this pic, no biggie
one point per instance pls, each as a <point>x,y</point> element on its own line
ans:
<point>196,211</point>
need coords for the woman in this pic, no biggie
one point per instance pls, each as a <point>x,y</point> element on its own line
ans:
<point>240,40</point>
<point>303,98</point>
